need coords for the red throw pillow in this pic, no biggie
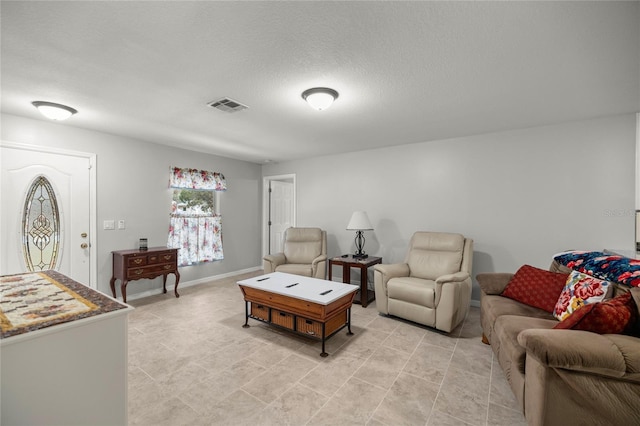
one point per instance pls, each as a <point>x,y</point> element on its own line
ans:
<point>536,287</point>
<point>610,317</point>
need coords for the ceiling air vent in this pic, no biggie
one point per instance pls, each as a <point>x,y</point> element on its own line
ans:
<point>227,105</point>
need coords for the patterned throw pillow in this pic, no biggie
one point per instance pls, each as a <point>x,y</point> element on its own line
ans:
<point>580,290</point>
<point>610,317</point>
<point>605,266</point>
<point>536,287</point>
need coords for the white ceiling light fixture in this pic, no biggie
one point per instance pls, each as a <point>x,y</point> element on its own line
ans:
<point>320,97</point>
<point>54,111</point>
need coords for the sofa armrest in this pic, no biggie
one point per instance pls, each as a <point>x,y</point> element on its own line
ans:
<point>575,350</point>
<point>319,259</point>
<point>493,282</point>
<point>381,276</point>
<point>319,267</point>
<point>453,278</point>
<point>272,261</point>
<point>391,270</point>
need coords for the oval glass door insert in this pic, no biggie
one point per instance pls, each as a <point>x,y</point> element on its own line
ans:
<point>40,226</point>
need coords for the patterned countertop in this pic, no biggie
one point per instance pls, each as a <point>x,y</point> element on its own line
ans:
<point>35,300</point>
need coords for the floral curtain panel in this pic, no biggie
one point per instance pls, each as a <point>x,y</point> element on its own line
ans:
<point>199,238</point>
<point>197,179</point>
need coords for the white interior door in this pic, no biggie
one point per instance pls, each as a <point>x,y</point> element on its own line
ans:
<point>27,241</point>
<point>281,216</point>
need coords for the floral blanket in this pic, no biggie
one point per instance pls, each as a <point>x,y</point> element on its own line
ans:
<point>602,265</point>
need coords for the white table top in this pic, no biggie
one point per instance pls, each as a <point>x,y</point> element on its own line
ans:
<point>305,288</point>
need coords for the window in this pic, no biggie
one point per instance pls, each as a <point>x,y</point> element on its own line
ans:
<point>196,226</point>
<point>191,201</point>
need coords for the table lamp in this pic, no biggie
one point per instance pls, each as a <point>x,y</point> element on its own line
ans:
<point>359,222</point>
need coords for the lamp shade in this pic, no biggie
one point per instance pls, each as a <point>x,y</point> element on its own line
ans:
<point>359,222</point>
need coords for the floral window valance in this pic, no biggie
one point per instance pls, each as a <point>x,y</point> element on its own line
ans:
<point>186,178</point>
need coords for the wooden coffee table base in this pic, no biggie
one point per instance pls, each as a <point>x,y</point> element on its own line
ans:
<point>309,319</point>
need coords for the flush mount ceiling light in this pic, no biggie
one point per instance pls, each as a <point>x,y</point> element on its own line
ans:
<point>54,111</point>
<point>320,97</point>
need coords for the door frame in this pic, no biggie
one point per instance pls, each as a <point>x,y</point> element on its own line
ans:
<point>265,206</point>
<point>93,229</point>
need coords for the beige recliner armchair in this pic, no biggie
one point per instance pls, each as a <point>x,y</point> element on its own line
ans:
<point>305,253</point>
<point>433,286</point>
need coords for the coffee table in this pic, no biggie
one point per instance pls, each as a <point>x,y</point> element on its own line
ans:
<point>308,306</point>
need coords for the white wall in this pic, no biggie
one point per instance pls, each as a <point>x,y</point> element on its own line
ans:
<point>521,195</point>
<point>132,184</point>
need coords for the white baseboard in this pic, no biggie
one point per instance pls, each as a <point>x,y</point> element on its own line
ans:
<point>184,284</point>
<point>475,303</point>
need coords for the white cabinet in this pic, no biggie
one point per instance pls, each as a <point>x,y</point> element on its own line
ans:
<point>74,373</point>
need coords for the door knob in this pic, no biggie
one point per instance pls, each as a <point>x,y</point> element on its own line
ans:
<point>84,245</point>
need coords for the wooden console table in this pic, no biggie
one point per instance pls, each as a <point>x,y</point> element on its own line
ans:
<point>129,265</point>
<point>365,296</point>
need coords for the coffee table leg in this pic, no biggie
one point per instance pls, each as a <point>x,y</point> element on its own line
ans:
<point>349,333</point>
<point>323,354</point>
<point>246,315</point>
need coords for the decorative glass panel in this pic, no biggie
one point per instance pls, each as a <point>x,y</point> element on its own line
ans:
<point>40,226</point>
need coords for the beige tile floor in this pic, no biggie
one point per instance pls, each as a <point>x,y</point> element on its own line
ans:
<point>192,363</point>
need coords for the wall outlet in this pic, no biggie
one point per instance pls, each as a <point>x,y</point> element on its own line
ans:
<point>109,225</point>
<point>121,224</point>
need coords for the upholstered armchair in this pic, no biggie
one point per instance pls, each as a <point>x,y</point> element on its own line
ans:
<point>433,285</point>
<point>305,253</point>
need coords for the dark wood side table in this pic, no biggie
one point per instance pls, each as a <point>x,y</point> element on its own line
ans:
<point>364,296</point>
<point>129,265</point>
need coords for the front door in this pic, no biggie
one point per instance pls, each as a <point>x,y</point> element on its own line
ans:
<point>46,206</point>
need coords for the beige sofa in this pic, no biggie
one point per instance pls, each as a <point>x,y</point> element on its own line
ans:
<point>560,377</point>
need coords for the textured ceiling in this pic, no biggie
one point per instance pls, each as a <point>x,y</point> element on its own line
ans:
<point>406,71</point>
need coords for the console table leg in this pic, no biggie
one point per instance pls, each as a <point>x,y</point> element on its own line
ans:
<point>112,283</point>
<point>164,284</point>
<point>246,315</point>
<point>123,290</point>
<point>349,333</point>
<point>177,274</point>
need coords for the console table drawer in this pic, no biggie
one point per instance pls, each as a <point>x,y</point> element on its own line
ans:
<point>149,270</point>
<point>136,261</point>
<point>168,257</point>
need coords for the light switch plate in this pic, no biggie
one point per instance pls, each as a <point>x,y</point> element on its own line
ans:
<point>121,224</point>
<point>109,225</point>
